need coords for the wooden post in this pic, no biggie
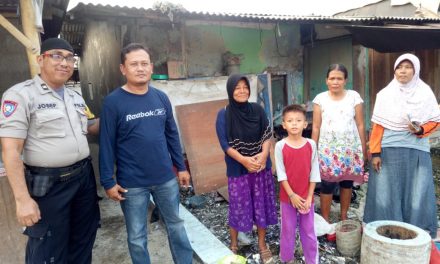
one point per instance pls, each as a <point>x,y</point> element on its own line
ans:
<point>12,242</point>
<point>30,30</point>
<point>18,35</point>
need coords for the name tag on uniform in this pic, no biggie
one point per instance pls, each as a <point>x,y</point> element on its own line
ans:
<point>79,105</point>
<point>47,106</point>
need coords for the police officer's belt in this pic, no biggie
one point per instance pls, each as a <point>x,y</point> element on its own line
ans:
<point>61,172</point>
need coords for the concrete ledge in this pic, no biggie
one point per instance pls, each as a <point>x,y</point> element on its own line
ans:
<point>206,246</point>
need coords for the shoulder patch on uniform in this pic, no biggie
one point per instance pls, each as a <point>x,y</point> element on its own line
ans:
<point>9,107</point>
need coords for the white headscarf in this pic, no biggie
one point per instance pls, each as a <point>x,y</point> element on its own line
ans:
<point>397,102</point>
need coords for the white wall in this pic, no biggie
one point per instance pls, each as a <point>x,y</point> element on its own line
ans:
<point>189,91</point>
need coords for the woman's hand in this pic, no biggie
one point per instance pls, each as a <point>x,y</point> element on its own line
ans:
<point>261,159</point>
<point>414,128</point>
<point>377,163</point>
<point>251,164</point>
<point>366,163</point>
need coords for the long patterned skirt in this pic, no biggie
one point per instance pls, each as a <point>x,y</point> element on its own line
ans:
<point>252,200</point>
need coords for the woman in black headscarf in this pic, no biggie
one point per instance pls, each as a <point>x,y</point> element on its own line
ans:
<point>244,133</point>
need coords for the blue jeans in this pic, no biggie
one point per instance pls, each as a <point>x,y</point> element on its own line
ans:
<point>135,209</point>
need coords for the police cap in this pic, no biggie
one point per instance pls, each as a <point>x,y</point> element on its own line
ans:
<point>55,43</point>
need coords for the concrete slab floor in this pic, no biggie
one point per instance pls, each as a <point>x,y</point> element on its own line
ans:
<point>208,248</point>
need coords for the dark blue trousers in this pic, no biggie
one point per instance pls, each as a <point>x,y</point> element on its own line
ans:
<point>69,221</point>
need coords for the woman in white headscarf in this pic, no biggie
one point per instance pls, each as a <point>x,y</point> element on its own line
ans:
<point>401,186</point>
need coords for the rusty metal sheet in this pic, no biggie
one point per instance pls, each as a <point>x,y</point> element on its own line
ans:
<point>205,157</point>
<point>176,70</point>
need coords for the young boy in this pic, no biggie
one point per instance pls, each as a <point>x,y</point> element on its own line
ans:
<point>298,172</point>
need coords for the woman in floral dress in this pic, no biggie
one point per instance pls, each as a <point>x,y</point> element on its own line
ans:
<point>338,129</point>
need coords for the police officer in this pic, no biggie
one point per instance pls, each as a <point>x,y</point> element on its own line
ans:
<point>53,182</point>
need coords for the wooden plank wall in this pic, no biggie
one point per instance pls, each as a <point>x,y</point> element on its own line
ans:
<point>360,81</point>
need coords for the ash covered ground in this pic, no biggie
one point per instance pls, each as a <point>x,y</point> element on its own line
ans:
<point>214,215</point>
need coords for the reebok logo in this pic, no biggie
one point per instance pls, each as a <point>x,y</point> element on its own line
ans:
<point>157,112</point>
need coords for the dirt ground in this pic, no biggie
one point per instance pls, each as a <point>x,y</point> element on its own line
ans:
<point>111,240</point>
<point>111,244</point>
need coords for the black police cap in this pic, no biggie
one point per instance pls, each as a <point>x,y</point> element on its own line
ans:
<point>55,43</point>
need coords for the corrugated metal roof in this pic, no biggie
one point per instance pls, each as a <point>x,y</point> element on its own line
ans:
<point>386,18</point>
<point>8,6</point>
<point>386,10</point>
<point>132,11</point>
<point>74,33</point>
<point>73,28</point>
<point>8,3</point>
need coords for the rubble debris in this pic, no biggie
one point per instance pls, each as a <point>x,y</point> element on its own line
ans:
<point>196,201</point>
<point>214,215</point>
<point>244,240</point>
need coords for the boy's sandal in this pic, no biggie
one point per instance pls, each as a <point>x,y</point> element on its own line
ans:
<point>266,256</point>
<point>234,249</point>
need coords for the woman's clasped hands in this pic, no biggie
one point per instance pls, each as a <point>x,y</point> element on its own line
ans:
<point>255,163</point>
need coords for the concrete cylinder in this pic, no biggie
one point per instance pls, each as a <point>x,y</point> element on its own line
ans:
<point>387,242</point>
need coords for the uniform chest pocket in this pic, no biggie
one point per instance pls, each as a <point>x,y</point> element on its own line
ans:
<point>50,123</point>
<point>83,118</point>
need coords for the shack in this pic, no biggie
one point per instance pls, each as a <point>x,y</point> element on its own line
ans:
<point>286,57</point>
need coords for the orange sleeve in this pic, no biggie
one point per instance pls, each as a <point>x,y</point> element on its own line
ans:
<point>376,139</point>
<point>429,128</point>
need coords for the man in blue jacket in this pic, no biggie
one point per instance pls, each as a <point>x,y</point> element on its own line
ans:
<point>138,134</point>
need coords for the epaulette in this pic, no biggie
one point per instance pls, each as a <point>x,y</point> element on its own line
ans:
<point>23,86</point>
<point>29,82</point>
<point>45,87</point>
<point>73,90</point>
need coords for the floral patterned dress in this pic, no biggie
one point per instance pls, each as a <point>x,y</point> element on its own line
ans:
<point>339,148</point>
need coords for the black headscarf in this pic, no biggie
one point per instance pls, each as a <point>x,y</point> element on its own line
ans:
<point>246,123</point>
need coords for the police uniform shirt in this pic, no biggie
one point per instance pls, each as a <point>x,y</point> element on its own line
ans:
<point>54,129</point>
